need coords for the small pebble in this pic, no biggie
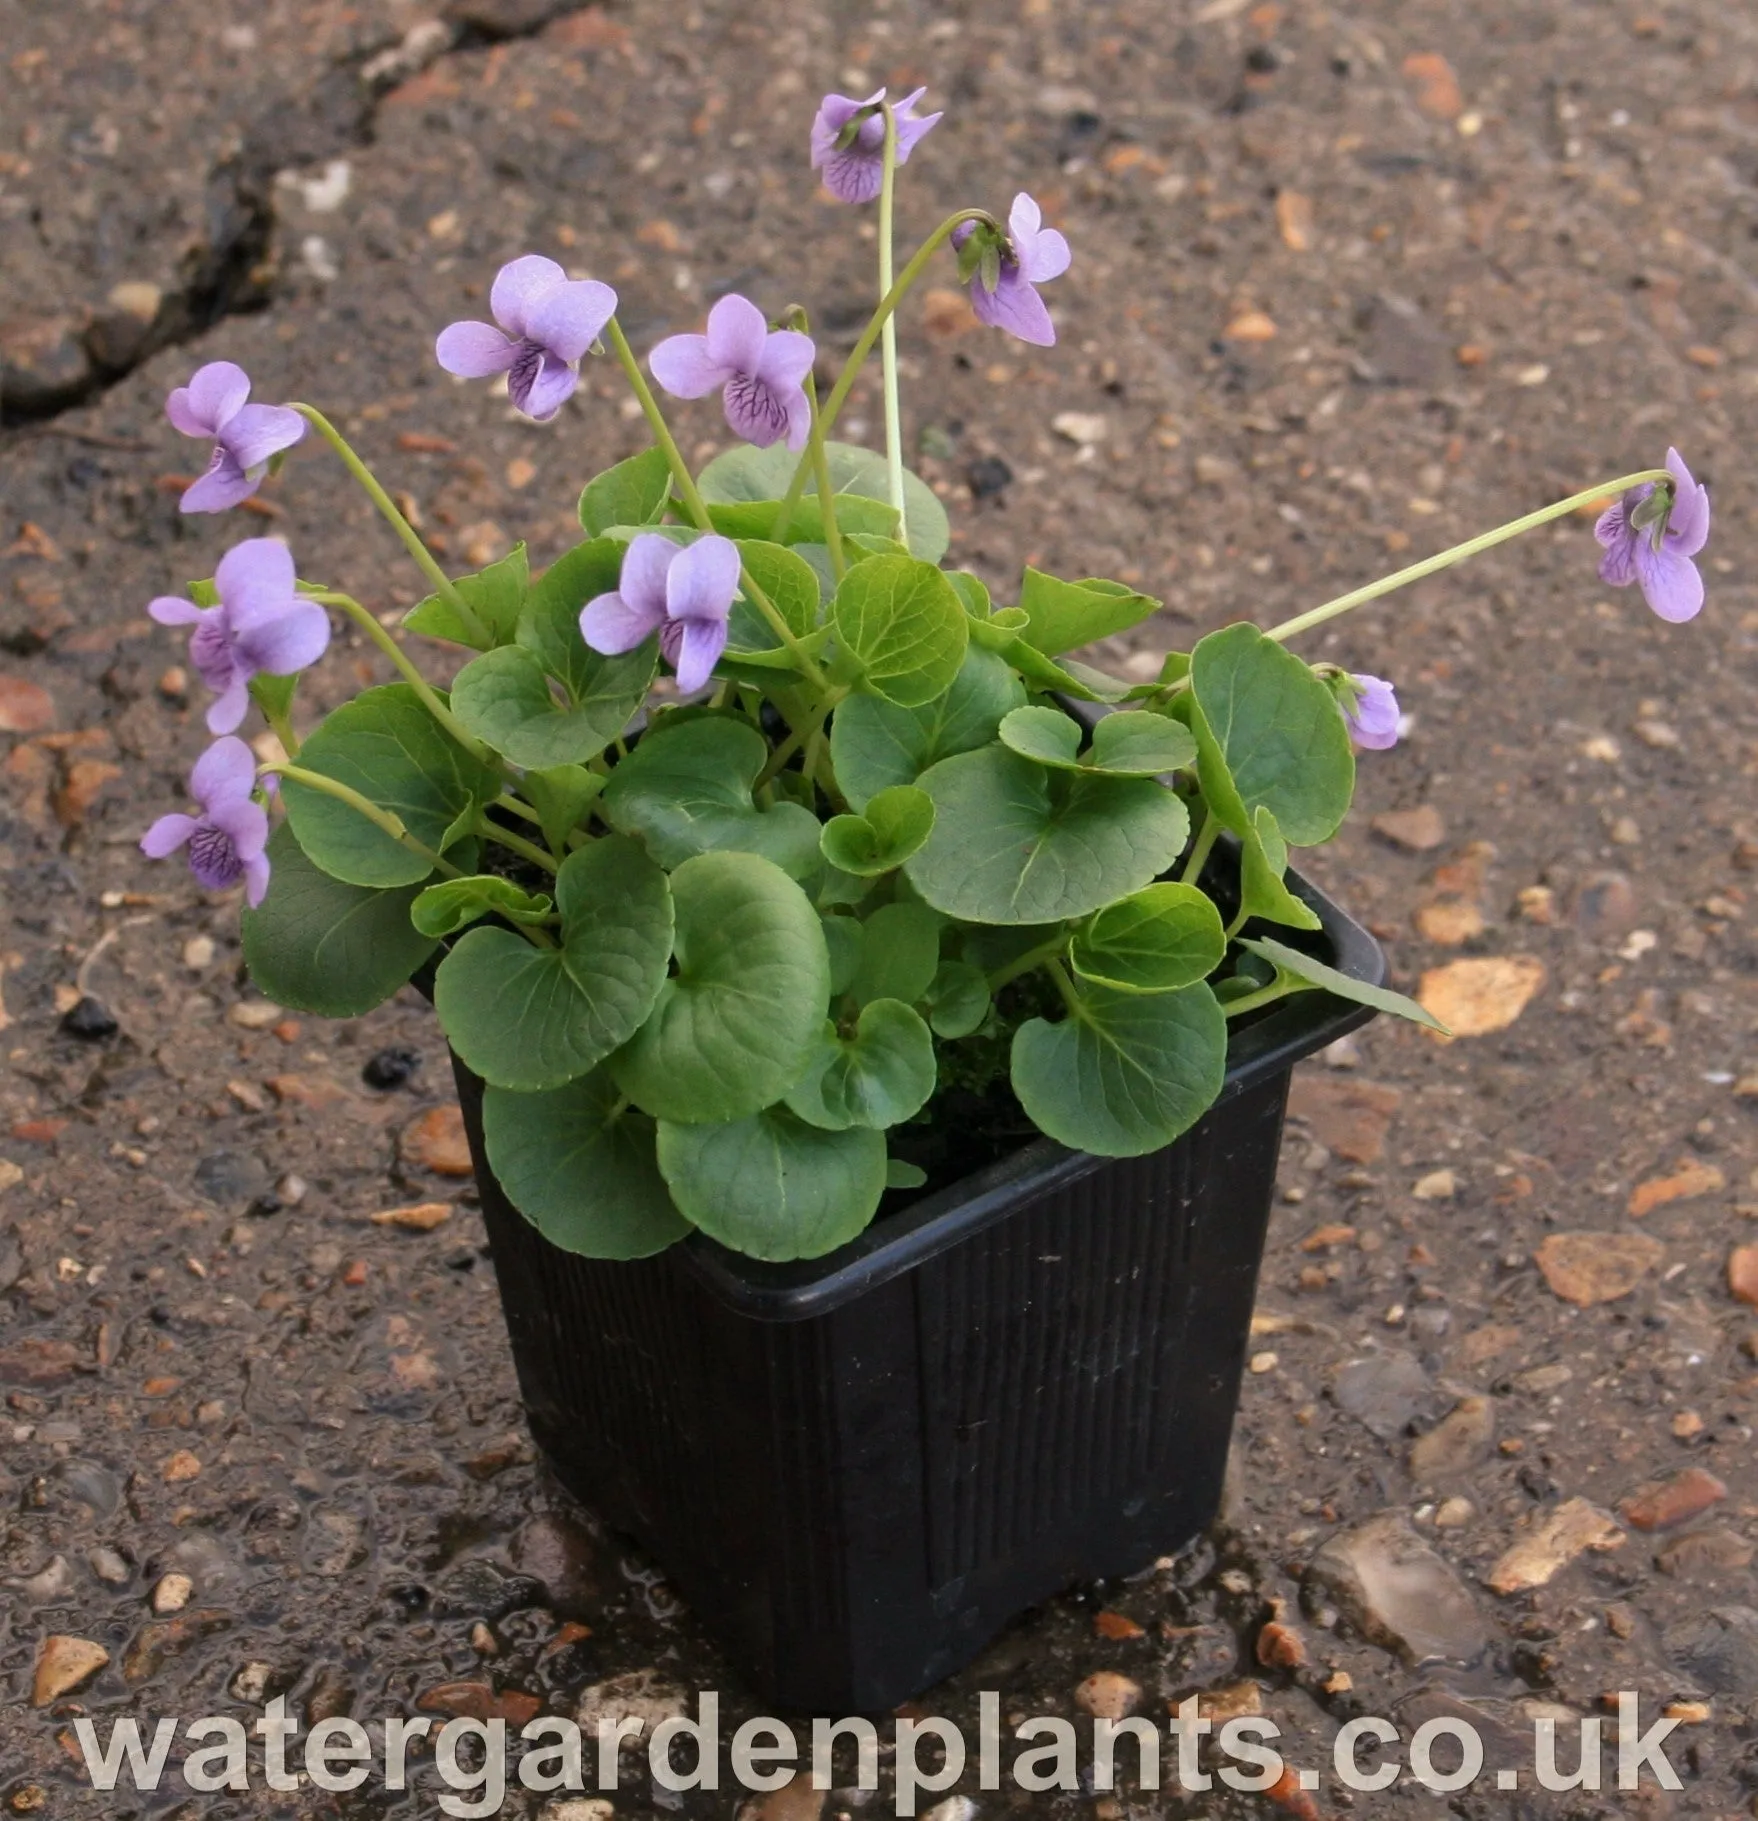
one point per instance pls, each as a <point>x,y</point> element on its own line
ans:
<point>198,952</point>
<point>172,1593</point>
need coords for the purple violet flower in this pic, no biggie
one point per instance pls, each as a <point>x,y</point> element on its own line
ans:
<point>762,372</point>
<point>1032,255</point>
<point>1374,718</point>
<point>683,593</point>
<point>854,168</point>
<point>549,321</point>
<point>261,624</point>
<point>226,841</point>
<point>245,435</point>
<point>1654,545</point>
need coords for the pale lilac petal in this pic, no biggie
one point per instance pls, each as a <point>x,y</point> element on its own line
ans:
<point>226,772</point>
<point>173,610</point>
<point>539,384</point>
<point>1024,219</point>
<point>1045,258</point>
<point>223,486</point>
<point>167,835</point>
<point>799,419</point>
<point>518,286</point>
<point>855,174</point>
<point>215,394</point>
<point>684,367</point>
<point>286,640</point>
<point>737,330</point>
<point>569,319</point>
<point>786,359</point>
<point>255,575</point>
<point>1015,307</point>
<point>834,113</point>
<point>1612,527</point>
<point>255,432</point>
<point>702,580</point>
<point>646,563</point>
<point>755,411</point>
<point>474,350</point>
<point>1670,582</point>
<point>256,880</point>
<point>212,857</point>
<point>1687,529</point>
<point>610,625</point>
<point>244,822</point>
<point>912,128</point>
<point>694,648</point>
<point>227,711</point>
<point>1374,721</point>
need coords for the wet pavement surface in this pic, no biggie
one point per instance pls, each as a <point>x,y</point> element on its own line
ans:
<point>1349,285</point>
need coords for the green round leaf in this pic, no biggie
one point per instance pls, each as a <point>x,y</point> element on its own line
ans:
<point>1136,743</point>
<point>634,492</point>
<point>1046,736</point>
<point>735,1026</point>
<point>588,1181</point>
<point>317,945</point>
<point>686,790</point>
<point>1063,615</point>
<point>1154,941</point>
<point>1125,1074</point>
<point>561,795</point>
<point>549,623</point>
<point>902,622</point>
<point>772,1186</point>
<point>495,595</point>
<point>452,904</point>
<point>896,822</point>
<point>957,999</point>
<point>901,1175</point>
<point>900,953</point>
<point>842,939</point>
<point>1269,734</point>
<point>527,1018</point>
<point>1014,842</point>
<point>875,744</point>
<point>385,745</point>
<point>879,1077</point>
<point>792,587</point>
<point>505,698</point>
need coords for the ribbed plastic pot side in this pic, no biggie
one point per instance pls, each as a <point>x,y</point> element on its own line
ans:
<point>856,1470</point>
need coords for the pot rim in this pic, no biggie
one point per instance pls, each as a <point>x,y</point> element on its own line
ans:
<point>1285,1034</point>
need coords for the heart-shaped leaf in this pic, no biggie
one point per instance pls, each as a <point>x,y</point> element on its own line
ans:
<point>756,518</point>
<point>902,623</point>
<point>686,789</point>
<point>528,1018</point>
<point>504,697</point>
<point>634,492</point>
<point>388,747</point>
<point>900,954</point>
<point>894,824</point>
<point>1135,743</point>
<point>453,904</point>
<point>581,1172</point>
<point>874,744</point>
<point>1291,962</point>
<point>735,1026</point>
<point>495,595</point>
<point>1123,1073</point>
<point>901,1175</point>
<point>1154,941</point>
<point>317,945</point>
<point>957,1000</point>
<point>1263,859</point>
<point>842,939</point>
<point>793,590</point>
<point>1268,734</point>
<point>1015,842</point>
<point>561,795</point>
<point>1046,736</point>
<point>1063,615</point>
<point>880,1076</point>
<point>549,625</point>
<point>858,476</point>
<point>772,1186</point>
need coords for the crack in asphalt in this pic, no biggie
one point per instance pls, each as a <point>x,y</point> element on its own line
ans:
<point>235,272</point>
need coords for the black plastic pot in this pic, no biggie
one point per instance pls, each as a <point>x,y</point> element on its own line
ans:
<point>857,1470</point>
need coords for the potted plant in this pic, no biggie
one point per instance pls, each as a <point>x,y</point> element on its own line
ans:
<point>872,1023</point>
